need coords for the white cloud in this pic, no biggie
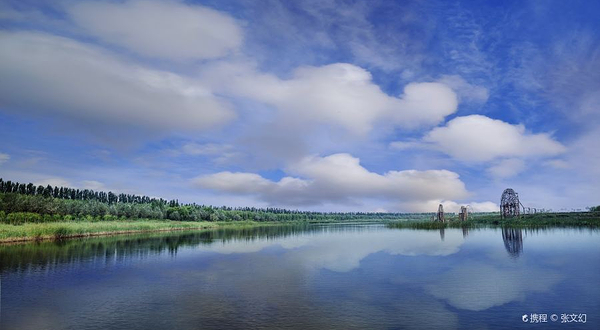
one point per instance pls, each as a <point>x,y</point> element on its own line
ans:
<point>507,168</point>
<point>484,206</point>
<point>449,206</point>
<point>329,252</point>
<point>53,75</point>
<point>466,92</point>
<point>4,158</point>
<point>577,184</point>
<point>584,155</point>
<point>92,184</point>
<point>557,163</point>
<point>197,149</point>
<point>303,37</point>
<point>479,138</point>
<point>404,145</point>
<point>495,286</point>
<point>340,94</point>
<point>219,153</point>
<point>168,30</point>
<point>55,182</point>
<point>566,73</point>
<point>337,178</point>
<point>380,210</point>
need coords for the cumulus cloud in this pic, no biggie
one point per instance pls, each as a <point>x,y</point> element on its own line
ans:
<point>168,30</point>
<point>449,206</point>
<point>341,94</point>
<point>337,178</point>
<point>4,158</point>
<point>483,206</point>
<point>479,138</point>
<point>58,76</point>
<point>507,168</point>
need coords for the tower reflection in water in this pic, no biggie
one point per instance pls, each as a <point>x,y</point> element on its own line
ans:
<point>513,241</point>
<point>465,233</point>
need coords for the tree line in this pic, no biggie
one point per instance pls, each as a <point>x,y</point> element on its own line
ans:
<point>77,194</point>
<point>20,203</point>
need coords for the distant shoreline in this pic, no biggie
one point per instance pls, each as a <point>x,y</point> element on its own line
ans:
<point>108,233</point>
<point>541,220</point>
<point>32,232</point>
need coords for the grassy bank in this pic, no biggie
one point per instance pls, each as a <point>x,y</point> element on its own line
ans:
<point>60,230</point>
<point>72,229</point>
<point>570,219</point>
<point>81,228</point>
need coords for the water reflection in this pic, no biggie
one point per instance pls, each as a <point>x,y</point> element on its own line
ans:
<point>513,241</point>
<point>311,277</point>
<point>465,232</point>
<point>109,249</point>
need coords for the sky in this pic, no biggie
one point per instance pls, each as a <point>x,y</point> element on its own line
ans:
<point>374,106</point>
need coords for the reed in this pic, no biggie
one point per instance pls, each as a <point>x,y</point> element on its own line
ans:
<point>64,229</point>
<point>567,219</point>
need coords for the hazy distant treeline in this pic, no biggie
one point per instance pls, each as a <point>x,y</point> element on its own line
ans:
<point>20,202</point>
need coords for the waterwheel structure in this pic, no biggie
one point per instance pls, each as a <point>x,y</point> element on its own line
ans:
<point>509,204</point>
<point>440,214</point>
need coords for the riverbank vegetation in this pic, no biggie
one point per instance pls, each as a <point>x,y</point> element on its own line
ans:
<point>63,229</point>
<point>25,203</point>
<point>37,212</point>
<point>51,252</point>
<point>566,219</point>
<point>73,229</point>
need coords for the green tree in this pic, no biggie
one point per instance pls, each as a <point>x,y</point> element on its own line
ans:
<point>48,191</point>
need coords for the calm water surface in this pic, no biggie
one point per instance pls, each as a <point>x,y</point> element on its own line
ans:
<point>305,277</point>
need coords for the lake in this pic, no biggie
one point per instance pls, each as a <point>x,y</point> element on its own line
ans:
<point>306,277</point>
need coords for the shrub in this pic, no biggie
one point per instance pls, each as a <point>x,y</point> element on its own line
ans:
<point>17,218</point>
<point>109,217</point>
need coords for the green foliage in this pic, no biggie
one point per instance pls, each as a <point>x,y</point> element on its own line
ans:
<point>25,203</point>
<point>568,219</point>
<point>18,218</point>
<point>59,230</point>
<point>56,209</point>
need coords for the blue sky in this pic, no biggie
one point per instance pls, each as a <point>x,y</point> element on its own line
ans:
<point>316,105</point>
